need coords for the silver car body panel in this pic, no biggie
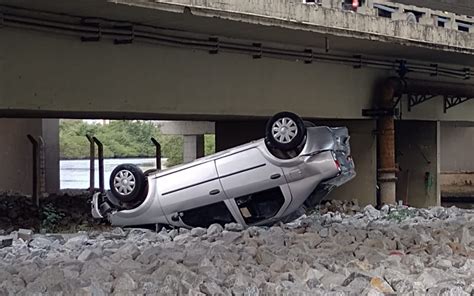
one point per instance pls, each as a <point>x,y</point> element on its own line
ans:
<point>237,172</point>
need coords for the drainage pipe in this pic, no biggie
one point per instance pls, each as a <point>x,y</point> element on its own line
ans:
<point>386,173</point>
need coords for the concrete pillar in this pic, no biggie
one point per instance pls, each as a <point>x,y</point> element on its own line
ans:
<point>193,132</point>
<point>16,154</point>
<point>418,156</point>
<point>457,163</point>
<point>50,134</point>
<point>363,146</point>
<point>193,147</point>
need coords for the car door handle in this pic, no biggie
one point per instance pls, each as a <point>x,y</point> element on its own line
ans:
<point>214,192</point>
<point>275,176</point>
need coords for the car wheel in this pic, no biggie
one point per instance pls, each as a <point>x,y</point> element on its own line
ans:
<point>285,131</point>
<point>127,182</point>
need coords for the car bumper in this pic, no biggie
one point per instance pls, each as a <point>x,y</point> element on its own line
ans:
<point>325,187</point>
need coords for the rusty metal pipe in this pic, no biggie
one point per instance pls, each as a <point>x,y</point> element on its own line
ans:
<point>386,173</point>
<point>35,189</point>
<point>157,153</point>
<point>91,164</point>
<point>100,152</point>
<point>437,88</point>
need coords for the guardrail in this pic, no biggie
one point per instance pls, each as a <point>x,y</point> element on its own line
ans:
<point>401,12</point>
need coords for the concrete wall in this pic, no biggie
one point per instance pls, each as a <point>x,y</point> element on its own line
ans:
<point>363,145</point>
<point>16,154</point>
<point>457,146</point>
<point>457,162</point>
<point>417,151</point>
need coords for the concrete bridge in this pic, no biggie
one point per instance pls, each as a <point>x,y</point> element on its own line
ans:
<point>236,63</point>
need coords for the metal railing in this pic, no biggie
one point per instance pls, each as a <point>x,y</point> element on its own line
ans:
<point>402,12</point>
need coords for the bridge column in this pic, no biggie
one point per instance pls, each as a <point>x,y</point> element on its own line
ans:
<point>457,163</point>
<point>193,147</point>
<point>418,157</point>
<point>16,154</point>
<point>193,136</point>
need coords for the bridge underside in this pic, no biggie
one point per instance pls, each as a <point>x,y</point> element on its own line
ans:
<point>48,75</point>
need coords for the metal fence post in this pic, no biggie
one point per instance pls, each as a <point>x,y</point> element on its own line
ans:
<point>100,152</point>
<point>35,169</point>
<point>158,153</point>
<point>91,164</point>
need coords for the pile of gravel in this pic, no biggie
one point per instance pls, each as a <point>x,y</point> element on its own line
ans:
<point>373,252</point>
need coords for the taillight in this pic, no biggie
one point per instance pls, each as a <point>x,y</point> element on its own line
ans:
<point>355,4</point>
<point>338,164</point>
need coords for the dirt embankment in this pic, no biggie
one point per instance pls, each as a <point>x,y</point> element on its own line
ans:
<point>56,213</point>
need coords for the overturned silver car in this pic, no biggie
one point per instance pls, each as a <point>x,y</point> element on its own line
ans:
<point>258,183</point>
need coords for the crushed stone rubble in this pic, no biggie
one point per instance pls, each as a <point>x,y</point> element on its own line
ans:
<point>340,249</point>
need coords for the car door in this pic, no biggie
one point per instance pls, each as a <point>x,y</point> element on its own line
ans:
<point>189,188</point>
<point>252,182</point>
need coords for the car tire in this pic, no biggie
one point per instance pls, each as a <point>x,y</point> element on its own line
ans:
<point>285,131</point>
<point>127,182</point>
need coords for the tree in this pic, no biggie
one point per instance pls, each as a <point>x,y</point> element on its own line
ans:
<point>122,139</point>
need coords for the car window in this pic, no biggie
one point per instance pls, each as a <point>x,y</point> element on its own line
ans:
<point>207,215</point>
<point>261,205</point>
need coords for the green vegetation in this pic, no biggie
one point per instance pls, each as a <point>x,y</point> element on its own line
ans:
<point>401,215</point>
<point>122,139</point>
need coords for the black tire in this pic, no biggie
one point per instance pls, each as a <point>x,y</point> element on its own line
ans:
<point>285,144</point>
<point>127,192</point>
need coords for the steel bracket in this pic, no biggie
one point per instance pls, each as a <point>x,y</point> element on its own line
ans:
<point>215,43</point>
<point>128,34</point>
<point>259,51</point>
<point>467,73</point>
<point>402,70</point>
<point>435,68</point>
<point>310,57</point>
<point>451,101</point>
<point>93,36</point>
<point>359,62</point>
<point>414,99</point>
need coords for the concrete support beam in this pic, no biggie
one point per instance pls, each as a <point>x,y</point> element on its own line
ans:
<point>193,132</point>
<point>418,156</point>
<point>193,147</point>
<point>363,146</point>
<point>187,127</point>
<point>457,146</point>
<point>16,154</point>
